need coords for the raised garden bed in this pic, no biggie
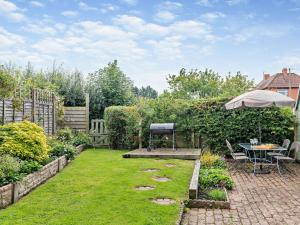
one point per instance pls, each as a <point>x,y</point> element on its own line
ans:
<point>212,192</point>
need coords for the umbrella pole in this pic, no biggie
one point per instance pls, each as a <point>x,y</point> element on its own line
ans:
<point>259,127</point>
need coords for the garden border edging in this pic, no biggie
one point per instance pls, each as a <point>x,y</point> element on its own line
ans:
<point>13,192</point>
<point>194,202</point>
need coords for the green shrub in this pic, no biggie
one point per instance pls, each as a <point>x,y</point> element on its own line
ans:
<point>217,195</point>
<point>28,167</point>
<point>9,169</point>
<point>7,84</point>
<point>209,120</point>
<point>24,140</point>
<point>215,178</point>
<point>59,148</point>
<point>209,160</point>
<point>81,138</point>
<point>122,126</point>
<point>65,135</point>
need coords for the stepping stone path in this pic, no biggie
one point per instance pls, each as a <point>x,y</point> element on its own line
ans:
<point>163,201</point>
<point>144,188</point>
<point>151,170</point>
<point>170,165</point>
<point>161,179</point>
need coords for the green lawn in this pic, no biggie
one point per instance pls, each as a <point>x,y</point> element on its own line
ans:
<point>98,188</point>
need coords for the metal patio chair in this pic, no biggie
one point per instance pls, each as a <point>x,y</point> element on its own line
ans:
<point>283,160</point>
<point>239,158</point>
<point>285,144</point>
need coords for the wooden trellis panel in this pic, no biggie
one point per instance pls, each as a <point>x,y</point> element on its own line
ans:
<point>39,108</point>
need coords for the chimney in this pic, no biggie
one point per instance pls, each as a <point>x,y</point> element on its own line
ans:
<point>266,76</point>
<point>285,71</point>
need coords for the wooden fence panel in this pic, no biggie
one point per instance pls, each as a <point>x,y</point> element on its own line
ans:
<point>77,118</point>
<point>39,108</point>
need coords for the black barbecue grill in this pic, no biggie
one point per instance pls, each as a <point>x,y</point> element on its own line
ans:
<point>161,129</point>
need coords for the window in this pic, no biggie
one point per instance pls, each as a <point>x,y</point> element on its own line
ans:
<point>283,91</point>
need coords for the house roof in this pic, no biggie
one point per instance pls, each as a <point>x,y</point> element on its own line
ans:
<point>279,80</point>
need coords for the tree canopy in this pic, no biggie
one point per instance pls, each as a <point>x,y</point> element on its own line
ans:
<point>108,86</point>
<point>145,92</point>
<point>196,84</point>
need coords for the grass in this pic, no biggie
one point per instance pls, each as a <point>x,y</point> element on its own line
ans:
<point>98,188</point>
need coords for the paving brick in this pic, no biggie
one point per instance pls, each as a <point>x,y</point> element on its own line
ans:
<point>262,199</point>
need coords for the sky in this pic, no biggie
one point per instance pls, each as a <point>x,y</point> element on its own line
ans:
<point>151,39</point>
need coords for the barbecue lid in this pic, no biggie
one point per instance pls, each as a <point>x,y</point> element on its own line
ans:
<point>162,126</point>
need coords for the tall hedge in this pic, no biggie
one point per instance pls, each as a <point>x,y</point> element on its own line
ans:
<point>208,119</point>
<point>122,125</point>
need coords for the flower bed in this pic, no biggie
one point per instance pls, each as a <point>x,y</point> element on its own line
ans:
<point>209,184</point>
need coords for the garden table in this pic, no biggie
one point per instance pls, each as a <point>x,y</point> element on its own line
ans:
<point>258,154</point>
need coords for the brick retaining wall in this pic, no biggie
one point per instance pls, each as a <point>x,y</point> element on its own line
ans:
<point>11,193</point>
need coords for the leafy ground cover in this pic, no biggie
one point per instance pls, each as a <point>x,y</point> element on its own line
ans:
<point>98,188</point>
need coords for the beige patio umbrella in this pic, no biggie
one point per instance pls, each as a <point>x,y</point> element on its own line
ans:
<point>260,99</point>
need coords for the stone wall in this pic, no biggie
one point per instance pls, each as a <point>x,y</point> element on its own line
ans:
<point>11,193</point>
<point>6,195</point>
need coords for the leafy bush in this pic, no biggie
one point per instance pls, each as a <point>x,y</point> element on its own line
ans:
<point>81,138</point>
<point>122,126</point>
<point>28,167</point>
<point>65,135</point>
<point>217,195</point>
<point>59,148</point>
<point>24,140</point>
<point>213,124</point>
<point>209,160</point>
<point>215,178</point>
<point>7,84</point>
<point>9,169</point>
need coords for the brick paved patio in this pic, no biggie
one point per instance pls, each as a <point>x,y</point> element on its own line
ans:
<point>261,199</point>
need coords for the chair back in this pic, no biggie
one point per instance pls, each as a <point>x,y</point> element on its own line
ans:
<point>230,148</point>
<point>286,143</point>
<point>294,147</point>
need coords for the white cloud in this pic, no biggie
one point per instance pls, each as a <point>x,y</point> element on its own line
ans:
<point>289,61</point>
<point>130,2</point>
<point>8,39</point>
<point>39,28</point>
<point>86,7</point>
<point>207,3</point>
<point>254,32</point>
<point>69,13</point>
<point>37,4</point>
<point>170,5</point>
<point>186,28</point>
<point>236,2</point>
<point>109,8</point>
<point>164,16</point>
<point>169,47</point>
<point>211,16</point>
<point>11,11</point>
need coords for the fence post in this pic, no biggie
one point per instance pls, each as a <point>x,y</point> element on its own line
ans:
<point>33,96</point>
<point>3,112</point>
<point>140,135</point>
<point>15,192</point>
<point>87,112</point>
<point>53,114</point>
<point>193,139</point>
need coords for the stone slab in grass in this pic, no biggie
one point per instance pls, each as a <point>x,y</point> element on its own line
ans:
<point>161,179</point>
<point>163,201</point>
<point>150,170</point>
<point>144,188</point>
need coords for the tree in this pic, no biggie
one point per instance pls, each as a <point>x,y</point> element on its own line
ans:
<point>236,85</point>
<point>108,86</point>
<point>71,88</point>
<point>146,92</point>
<point>195,84</point>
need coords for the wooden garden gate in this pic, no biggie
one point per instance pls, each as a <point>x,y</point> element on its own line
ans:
<point>98,133</point>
